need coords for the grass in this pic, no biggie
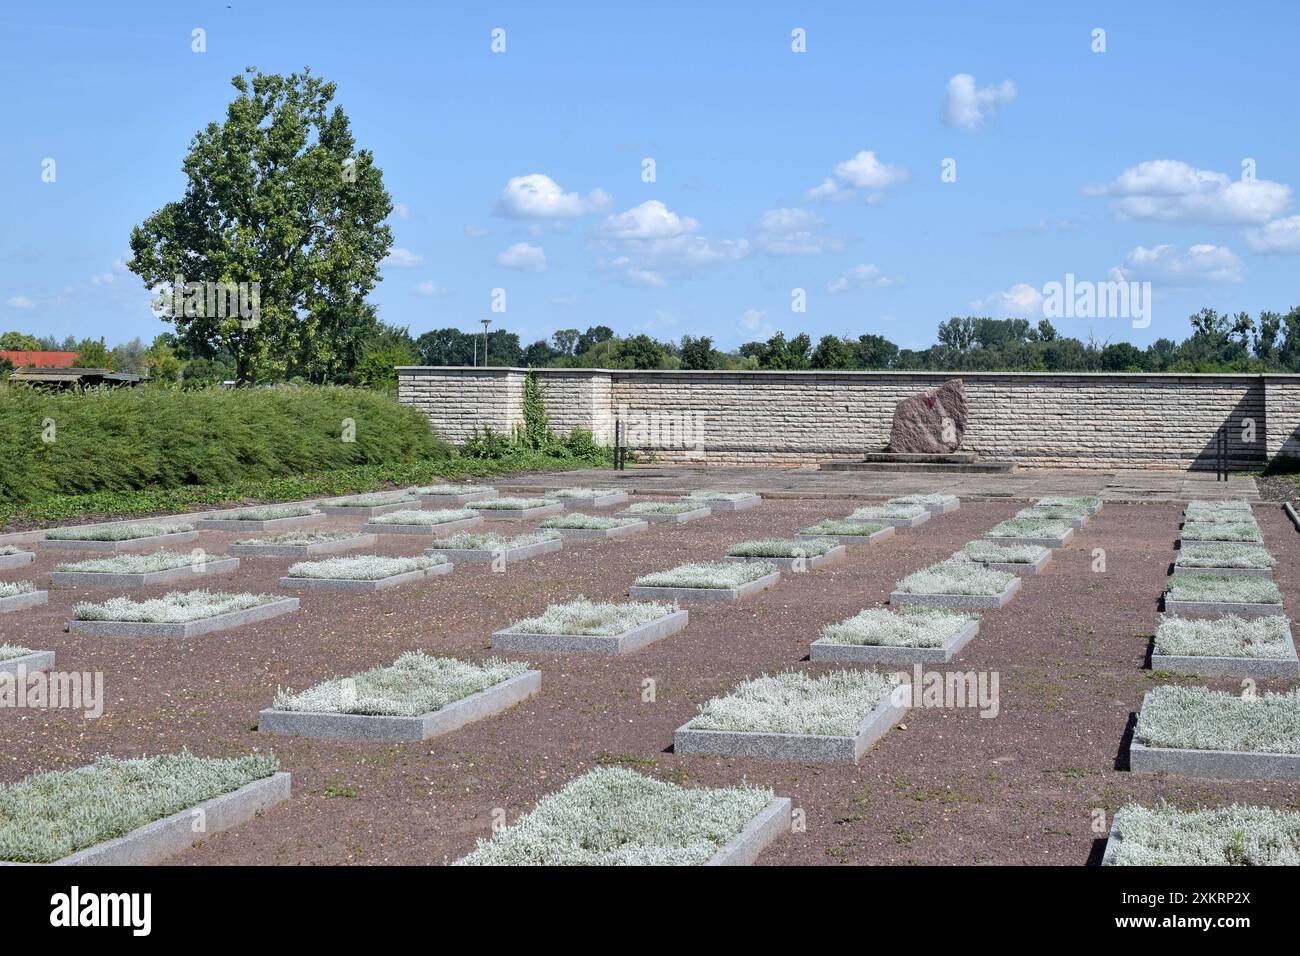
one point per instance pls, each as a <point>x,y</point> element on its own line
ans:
<point>612,816</point>
<point>377,500</point>
<point>1221,531</point>
<point>450,489</point>
<point>363,568</point>
<point>138,563</point>
<point>1223,554</point>
<point>584,492</point>
<point>592,618</point>
<point>415,684</point>
<point>842,527</point>
<point>992,552</point>
<point>1029,528</point>
<point>1077,501</point>
<point>9,652</point>
<point>15,588</point>
<point>116,532</point>
<point>706,495</point>
<point>513,504</point>
<point>906,627</point>
<point>887,510</point>
<point>956,577</point>
<point>175,607</point>
<point>576,519</point>
<point>317,483</point>
<point>661,508</point>
<point>1226,836</point>
<point>707,574</point>
<point>1197,718</point>
<point>271,513</point>
<point>832,705</point>
<point>417,516</point>
<point>1222,588</point>
<point>1230,636</point>
<point>782,548</point>
<point>296,539</point>
<point>51,815</point>
<point>489,541</point>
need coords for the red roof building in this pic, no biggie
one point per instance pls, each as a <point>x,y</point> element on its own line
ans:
<point>20,359</point>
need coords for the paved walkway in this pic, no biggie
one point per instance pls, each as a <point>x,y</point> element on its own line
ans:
<point>1025,484</point>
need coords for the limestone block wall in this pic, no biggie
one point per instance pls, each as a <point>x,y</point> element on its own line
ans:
<point>1044,419</point>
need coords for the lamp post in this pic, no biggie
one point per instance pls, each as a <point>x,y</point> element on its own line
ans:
<point>486,323</point>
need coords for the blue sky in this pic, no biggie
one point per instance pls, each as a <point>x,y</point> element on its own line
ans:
<point>775,170</point>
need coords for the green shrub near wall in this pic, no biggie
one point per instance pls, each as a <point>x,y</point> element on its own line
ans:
<point>127,439</point>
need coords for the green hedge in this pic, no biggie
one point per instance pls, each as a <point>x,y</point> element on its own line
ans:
<point>159,438</point>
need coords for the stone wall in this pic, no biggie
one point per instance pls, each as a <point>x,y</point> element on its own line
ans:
<point>1037,419</point>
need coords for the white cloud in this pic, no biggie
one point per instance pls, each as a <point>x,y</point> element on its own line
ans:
<point>1020,301</point>
<point>631,274</point>
<point>20,302</point>
<point>524,257</point>
<point>1169,190</point>
<point>862,171</point>
<point>537,196</point>
<point>1278,236</point>
<point>104,278</point>
<point>966,107</point>
<point>475,232</point>
<point>401,210</point>
<point>429,287</point>
<point>754,321</point>
<point>650,220</point>
<point>402,258</point>
<point>1195,265</point>
<point>865,276</point>
<point>794,232</point>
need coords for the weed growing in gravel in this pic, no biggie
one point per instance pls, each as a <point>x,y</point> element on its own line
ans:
<point>782,548</point>
<point>707,574</point>
<point>1223,554</point>
<point>415,684</point>
<point>612,816</point>
<point>1197,718</point>
<point>832,705</point>
<point>368,567</point>
<point>136,563</point>
<point>445,516</point>
<point>1221,531</point>
<point>48,816</point>
<point>576,519</point>
<point>956,577</point>
<point>1228,836</point>
<point>175,607</point>
<point>1222,588</point>
<point>906,627</point>
<point>592,618</point>
<point>15,588</point>
<point>1230,636</point>
<point>842,527</point>
<point>991,552</point>
<point>117,532</point>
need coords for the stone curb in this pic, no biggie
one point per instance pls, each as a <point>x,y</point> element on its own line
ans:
<point>744,848</point>
<point>604,501</point>
<point>1216,764</point>
<point>851,539</point>
<point>132,544</point>
<point>462,499</point>
<point>1262,668</point>
<point>218,622</point>
<point>622,531</point>
<point>361,728</point>
<point>1224,572</point>
<point>303,550</point>
<point>509,555</point>
<point>811,563</point>
<point>681,518</point>
<point>371,511</point>
<point>161,839</point>
<point>519,514</point>
<point>920,519</point>
<point>824,651</point>
<point>705,594</point>
<point>1216,608</point>
<point>35,661</point>
<point>770,746</point>
<point>116,579</point>
<point>9,562</point>
<point>20,602</point>
<point>721,505</point>
<point>1060,542</point>
<point>354,584</point>
<point>428,530</point>
<point>966,602</point>
<point>625,643</point>
<point>1113,840</point>
<point>267,524</point>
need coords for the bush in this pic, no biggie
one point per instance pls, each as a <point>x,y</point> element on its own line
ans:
<point>126,440</point>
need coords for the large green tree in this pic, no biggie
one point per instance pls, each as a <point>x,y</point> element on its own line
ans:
<point>279,195</point>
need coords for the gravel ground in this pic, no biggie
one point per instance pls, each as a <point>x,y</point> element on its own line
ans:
<point>946,787</point>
